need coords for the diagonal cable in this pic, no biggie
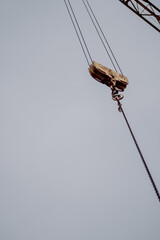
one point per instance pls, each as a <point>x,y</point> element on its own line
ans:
<point>77,32</point>
<point>103,36</point>
<point>100,36</point>
<point>139,151</point>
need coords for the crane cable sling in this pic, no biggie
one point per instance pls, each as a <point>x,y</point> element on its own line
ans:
<point>86,52</point>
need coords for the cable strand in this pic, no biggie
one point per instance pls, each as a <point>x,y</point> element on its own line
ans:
<point>77,32</point>
<point>140,153</point>
<point>104,36</point>
<point>100,36</point>
<point>80,30</point>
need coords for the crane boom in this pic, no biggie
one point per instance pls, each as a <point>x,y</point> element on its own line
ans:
<point>146,10</point>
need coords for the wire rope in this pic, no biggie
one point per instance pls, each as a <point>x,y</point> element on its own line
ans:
<point>96,20</point>
<point>139,151</point>
<point>100,36</point>
<point>79,30</point>
<point>76,32</point>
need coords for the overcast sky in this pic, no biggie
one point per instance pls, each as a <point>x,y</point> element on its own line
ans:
<point>69,169</point>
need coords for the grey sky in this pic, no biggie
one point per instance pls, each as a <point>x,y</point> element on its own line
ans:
<point>69,168</point>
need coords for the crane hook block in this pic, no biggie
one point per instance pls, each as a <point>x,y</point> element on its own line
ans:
<point>112,79</point>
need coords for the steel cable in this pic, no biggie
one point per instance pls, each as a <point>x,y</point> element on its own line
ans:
<point>102,35</point>
<point>76,21</point>
<point>139,150</point>
<point>76,32</point>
